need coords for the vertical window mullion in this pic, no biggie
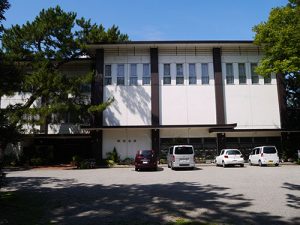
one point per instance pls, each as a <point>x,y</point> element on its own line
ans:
<point>179,74</point>
<point>204,75</point>
<point>167,74</point>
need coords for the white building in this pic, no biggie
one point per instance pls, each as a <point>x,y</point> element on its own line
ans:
<point>204,93</point>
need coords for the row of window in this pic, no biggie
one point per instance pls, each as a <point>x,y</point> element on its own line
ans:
<point>192,77</point>
<point>133,78</point>
<point>180,75</point>
<point>242,74</point>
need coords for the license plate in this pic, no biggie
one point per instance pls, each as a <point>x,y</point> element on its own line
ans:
<point>145,162</point>
<point>270,161</point>
<point>183,160</point>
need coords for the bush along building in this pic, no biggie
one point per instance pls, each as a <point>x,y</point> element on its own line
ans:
<point>204,93</point>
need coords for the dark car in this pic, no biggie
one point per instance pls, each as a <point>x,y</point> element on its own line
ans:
<point>145,159</point>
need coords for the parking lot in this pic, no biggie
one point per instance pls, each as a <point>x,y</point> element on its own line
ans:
<point>249,195</point>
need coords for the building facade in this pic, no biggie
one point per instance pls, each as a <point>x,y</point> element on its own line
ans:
<point>204,93</point>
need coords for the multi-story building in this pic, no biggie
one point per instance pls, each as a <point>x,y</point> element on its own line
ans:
<point>204,93</point>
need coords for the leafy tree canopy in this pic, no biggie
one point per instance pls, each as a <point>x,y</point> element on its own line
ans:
<point>41,48</point>
<point>280,39</point>
<point>4,5</point>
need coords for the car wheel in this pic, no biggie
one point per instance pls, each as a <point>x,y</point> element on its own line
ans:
<point>136,169</point>
<point>276,164</point>
<point>172,168</point>
<point>169,165</point>
<point>250,163</point>
<point>223,164</point>
<point>259,163</point>
<point>242,165</point>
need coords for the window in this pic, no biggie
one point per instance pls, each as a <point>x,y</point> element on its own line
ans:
<point>121,74</point>
<point>167,74</point>
<point>254,75</point>
<point>242,73</point>
<point>107,76</point>
<point>229,73</point>
<point>192,73</point>
<point>267,79</point>
<point>146,74</point>
<point>179,74</point>
<point>133,74</point>
<point>204,70</point>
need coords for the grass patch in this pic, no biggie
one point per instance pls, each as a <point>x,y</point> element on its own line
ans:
<point>25,208</point>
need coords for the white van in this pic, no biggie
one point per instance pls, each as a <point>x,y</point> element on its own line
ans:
<point>181,156</point>
<point>264,155</point>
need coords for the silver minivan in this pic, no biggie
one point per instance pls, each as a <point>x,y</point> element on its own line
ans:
<point>181,156</point>
<point>264,155</point>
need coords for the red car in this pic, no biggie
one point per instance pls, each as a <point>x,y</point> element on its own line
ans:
<point>145,159</point>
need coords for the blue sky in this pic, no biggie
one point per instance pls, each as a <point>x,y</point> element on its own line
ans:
<point>160,19</point>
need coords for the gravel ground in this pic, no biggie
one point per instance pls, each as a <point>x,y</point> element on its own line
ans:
<point>249,195</point>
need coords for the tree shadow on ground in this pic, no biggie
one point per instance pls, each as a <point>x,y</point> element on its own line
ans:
<point>293,201</point>
<point>69,202</point>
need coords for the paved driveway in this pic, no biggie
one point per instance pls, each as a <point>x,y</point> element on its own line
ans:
<point>250,195</point>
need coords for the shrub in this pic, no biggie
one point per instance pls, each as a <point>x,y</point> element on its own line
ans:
<point>76,160</point>
<point>38,161</point>
<point>114,156</point>
<point>127,161</point>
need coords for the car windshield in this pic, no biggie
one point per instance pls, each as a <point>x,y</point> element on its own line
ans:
<point>184,150</point>
<point>145,153</point>
<point>233,152</point>
<point>270,150</point>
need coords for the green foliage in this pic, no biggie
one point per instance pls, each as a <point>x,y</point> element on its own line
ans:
<point>127,161</point>
<point>113,156</point>
<point>4,5</point>
<point>43,48</point>
<point>280,39</point>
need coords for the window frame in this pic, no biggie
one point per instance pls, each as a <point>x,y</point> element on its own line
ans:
<point>120,76</point>
<point>107,77</point>
<point>242,76</point>
<point>133,77</point>
<point>254,76</point>
<point>192,76</point>
<point>204,77</point>
<point>229,73</point>
<point>146,80</point>
<point>167,76</point>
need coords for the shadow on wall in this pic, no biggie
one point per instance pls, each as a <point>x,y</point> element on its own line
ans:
<point>136,100</point>
<point>69,202</point>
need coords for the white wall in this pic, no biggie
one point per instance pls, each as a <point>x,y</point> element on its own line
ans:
<point>187,104</point>
<point>17,98</point>
<point>132,105</point>
<point>185,133</point>
<point>126,141</point>
<point>251,106</point>
<point>181,105</point>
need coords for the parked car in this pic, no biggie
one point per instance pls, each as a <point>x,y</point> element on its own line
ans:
<point>264,155</point>
<point>145,159</point>
<point>230,157</point>
<point>181,156</point>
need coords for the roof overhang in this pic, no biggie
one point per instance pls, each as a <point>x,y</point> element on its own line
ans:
<point>226,130</point>
<point>150,127</point>
<point>155,44</point>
